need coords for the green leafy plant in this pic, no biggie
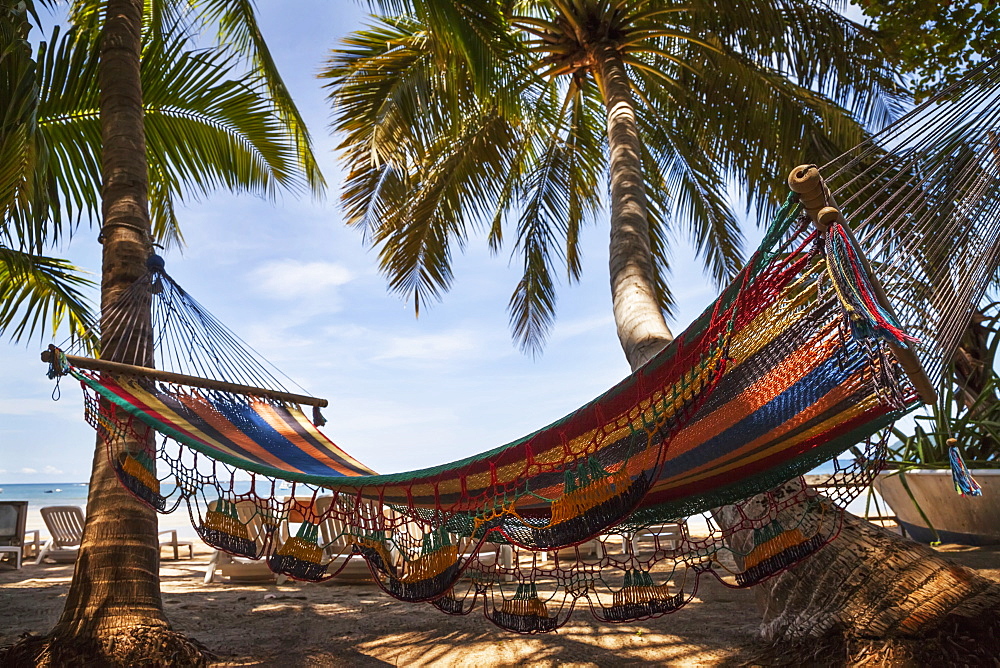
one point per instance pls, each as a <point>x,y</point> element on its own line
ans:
<point>935,43</point>
<point>967,413</point>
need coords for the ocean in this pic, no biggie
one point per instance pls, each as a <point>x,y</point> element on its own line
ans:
<point>39,495</point>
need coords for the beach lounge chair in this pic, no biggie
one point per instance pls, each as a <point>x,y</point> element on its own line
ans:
<point>591,550</point>
<point>337,549</point>
<point>665,538</point>
<point>339,545</point>
<point>242,569</point>
<point>13,515</point>
<point>32,544</point>
<point>410,536</point>
<point>65,525</point>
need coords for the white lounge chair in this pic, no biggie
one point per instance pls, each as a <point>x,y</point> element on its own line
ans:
<point>175,544</point>
<point>242,569</point>
<point>65,525</point>
<point>592,549</point>
<point>411,538</point>
<point>664,538</point>
<point>337,548</point>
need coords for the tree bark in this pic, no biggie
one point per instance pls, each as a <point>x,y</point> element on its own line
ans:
<point>867,582</point>
<point>642,329</point>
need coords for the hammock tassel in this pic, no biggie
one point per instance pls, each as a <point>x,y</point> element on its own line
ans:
<point>965,484</point>
<point>318,418</point>
<point>430,574</point>
<point>58,366</point>
<point>775,549</point>
<point>525,613</point>
<point>867,317</point>
<point>641,598</point>
<point>137,472</point>
<point>300,556</point>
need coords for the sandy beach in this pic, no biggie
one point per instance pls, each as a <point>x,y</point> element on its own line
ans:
<point>300,624</point>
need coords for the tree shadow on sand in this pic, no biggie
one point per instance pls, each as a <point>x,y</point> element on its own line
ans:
<point>299,624</point>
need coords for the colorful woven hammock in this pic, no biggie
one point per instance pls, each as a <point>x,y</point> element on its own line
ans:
<point>729,434</point>
<point>761,388</point>
<point>800,358</point>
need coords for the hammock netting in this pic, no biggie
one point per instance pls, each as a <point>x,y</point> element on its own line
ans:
<point>795,363</point>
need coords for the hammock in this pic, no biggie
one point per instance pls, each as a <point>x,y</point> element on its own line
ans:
<point>801,358</point>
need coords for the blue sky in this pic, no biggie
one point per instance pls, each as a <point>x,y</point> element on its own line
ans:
<point>302,289</point>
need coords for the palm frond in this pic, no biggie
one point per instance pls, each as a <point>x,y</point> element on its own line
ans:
<point>208,126</point>
<point>38,294</point>
<point>720,96</point>
<point>476,33</point>
<point>238,27</point>
<point>456,182</point>
<point>24,192</point>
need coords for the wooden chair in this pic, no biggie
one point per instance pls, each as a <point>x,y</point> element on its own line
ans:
<point>13,515</point>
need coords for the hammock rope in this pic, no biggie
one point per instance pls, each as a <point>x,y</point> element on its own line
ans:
<point>802,357</point>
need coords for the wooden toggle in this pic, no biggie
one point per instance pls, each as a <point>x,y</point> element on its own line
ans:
<point>821,207</point>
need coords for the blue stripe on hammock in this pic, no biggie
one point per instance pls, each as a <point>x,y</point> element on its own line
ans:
<point>800,396</point>
<point>255,427</point>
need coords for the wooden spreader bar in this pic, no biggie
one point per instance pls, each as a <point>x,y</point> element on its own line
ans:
<point>818,202</point>
<point>181,379</point>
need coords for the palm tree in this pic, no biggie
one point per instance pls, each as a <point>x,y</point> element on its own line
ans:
<point>668,101</point>
<point>209,125</point>
<point>648,91</point>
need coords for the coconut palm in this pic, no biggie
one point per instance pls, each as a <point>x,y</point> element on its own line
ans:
<point>105,88</point>
<point>52,145</point>
<point>667,102</point>
<point>672,101</point>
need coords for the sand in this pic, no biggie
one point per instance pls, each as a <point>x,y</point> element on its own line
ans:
<point>301,624</point>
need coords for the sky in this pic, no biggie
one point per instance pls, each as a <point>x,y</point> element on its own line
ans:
<point>298,285</point>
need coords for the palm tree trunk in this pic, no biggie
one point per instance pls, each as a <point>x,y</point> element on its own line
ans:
<point>642,329</point>
<point>867,582</point>
<point>113,613</point>
<point>116,582</point>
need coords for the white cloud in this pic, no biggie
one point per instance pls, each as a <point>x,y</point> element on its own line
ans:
<point>28,406</point>
<point>52,470</point>
<point>28,471</point>
<point>284,279</point>
<point>430,347</point>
